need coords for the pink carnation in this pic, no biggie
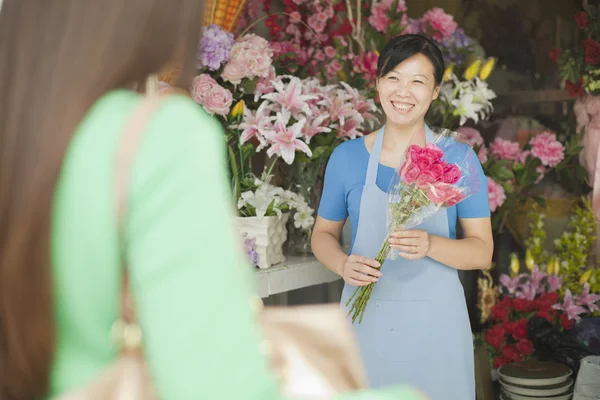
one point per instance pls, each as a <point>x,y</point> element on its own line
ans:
<point>380,19</point>
<point>496,194</point>
<point>502,149</point>
<point>443,24</point>
<point>549,150</point>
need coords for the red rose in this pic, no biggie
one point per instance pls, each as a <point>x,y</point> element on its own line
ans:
<point>566,323</point>
<point>495,336</point>
<point>550,297</point>
<point>520,329</point>
<point>592,51</point>
<point>500,312</point>
<point>553,55</point>
<point>522,305</point>
<point>452,173</point>
<point>582,20</point>
<point>508,327</point>
<point>500,361</point>
<point>544,314</point>
<point>575,89</point>
<point>525,347</point>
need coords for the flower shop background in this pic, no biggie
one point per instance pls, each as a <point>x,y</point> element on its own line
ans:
<point>290,80</point>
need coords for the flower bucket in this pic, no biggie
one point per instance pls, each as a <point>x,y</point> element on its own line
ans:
<point>270,234</point>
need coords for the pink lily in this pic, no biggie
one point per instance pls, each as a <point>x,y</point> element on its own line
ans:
<point>350,127</point>
<point>536,280</point>
<point>587,299</point>
<point>510,284</point>
<point>289,96</point>
<point>554,283</point>
<point>339,106</point>
<point>284,139</point>
<point>526,291</point>
<point>315,126</point>
<point>255,125</point>
<point>569,307</point>
<point>364,107</point>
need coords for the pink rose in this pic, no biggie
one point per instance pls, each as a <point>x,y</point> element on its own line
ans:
<point>452,174</point>
<point>496,194</point>
<point>549,150</point>
<point>444,194</point>
<point>233,72</point>
<point>410,173</point>
<point>426,179</point>
<point>433,151</point>
<point>200,87</point>
<point>218,101</point>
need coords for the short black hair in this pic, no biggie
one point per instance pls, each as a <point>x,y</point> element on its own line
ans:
<point>404,47</point>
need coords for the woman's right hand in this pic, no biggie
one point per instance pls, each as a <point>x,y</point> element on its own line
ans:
<point>360,271</point>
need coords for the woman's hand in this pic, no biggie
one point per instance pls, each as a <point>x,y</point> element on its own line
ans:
<point>360,271</point>
<point>413,244</point>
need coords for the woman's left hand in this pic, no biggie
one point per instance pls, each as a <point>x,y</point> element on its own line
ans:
<point>413,244</point>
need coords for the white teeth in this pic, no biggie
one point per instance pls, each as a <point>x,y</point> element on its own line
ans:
<point>402,107</point>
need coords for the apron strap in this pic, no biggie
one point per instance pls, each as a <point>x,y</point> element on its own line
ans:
<point>374,158</point>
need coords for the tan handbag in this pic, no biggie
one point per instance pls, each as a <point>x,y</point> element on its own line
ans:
<point>312,348</point>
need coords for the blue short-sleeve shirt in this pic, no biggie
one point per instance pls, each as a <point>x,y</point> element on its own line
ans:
<point>345,177</point>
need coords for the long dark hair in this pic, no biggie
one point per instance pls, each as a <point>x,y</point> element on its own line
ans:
<point>57,57</point>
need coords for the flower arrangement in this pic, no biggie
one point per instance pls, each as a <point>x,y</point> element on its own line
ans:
<point>578,68</point>
<point>424,183</point>
<point>513,171</point>
<point>556,287</point>
<point>260,198</point>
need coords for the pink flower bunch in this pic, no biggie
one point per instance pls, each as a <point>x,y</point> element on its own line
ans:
<point>425,168</point>
<point>366,65</point>
<point>441,23</point>
<point>380,19</point>
<point>213,97</point>
<point>496,194</point>
<point>474,139</point>
<point>549,150</point>
<point>251,56</point>
<point>296,111</point>
<point>502,149</point>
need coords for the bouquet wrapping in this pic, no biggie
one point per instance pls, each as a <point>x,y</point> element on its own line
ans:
<point>441,174</point>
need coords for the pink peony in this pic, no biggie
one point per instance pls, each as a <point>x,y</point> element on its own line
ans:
<point>201,86</point>
<point>549,150</point>
<point>496,194</point>
<point>502,149</point>
<point>218,101</point>
<point>443,24</point>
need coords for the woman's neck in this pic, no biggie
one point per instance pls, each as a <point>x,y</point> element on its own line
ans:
<point>401,136</point>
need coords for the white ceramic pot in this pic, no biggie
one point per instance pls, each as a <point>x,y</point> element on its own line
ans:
<point>270,234</point>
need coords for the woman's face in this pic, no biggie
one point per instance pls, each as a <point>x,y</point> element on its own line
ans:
<point>407,91</point>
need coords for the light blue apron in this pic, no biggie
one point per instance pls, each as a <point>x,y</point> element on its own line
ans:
<point>415,329</point>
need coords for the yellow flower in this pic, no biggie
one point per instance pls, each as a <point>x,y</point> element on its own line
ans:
<point>514,264</point>
<point>238,109</point>
<point>472,70</point>
<point>585,277</point>
<point>342,75</point>
<point>448,72</point>
<point>487,68</point>
<point>529,262</point>
<point>550,266</point>
<point>557,267</point>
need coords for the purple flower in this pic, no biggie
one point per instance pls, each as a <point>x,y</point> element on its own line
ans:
<point>457,47</point>
<point>214,48</point>
<point>570,307</point>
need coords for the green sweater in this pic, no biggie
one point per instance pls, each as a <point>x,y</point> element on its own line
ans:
<point>192,291</point>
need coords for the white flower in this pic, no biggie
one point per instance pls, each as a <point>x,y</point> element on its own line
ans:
<point>303,219</point>
<point>466,108</point>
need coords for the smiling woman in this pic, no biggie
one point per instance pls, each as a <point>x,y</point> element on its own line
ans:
<point>415,329</point>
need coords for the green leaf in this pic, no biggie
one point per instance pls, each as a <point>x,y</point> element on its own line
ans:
<point>500,172</point>
<point>540,200</point>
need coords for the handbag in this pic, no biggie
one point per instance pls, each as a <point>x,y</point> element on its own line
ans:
<point>312,349</point>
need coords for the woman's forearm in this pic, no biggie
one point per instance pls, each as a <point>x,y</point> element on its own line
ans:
<point>467,254</point>
<point>328,251</point>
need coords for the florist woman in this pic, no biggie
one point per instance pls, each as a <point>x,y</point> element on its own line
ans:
<point>416,327</point>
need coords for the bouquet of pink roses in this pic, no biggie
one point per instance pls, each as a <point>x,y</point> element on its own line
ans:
<point>441,174</point>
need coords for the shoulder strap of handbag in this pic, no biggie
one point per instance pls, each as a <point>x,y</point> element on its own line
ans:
<point>129,143</point>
